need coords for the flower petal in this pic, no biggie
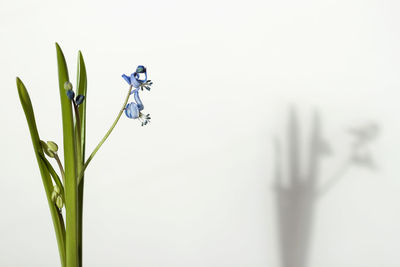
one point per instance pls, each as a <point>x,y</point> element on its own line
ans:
<point>132,111</point>
<point>141,69</point>
<point>138,101</point>
<point>127,79</point>
<point>145,78</point>
<point>134,80</point>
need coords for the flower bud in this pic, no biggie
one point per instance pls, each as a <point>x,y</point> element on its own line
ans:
<point>54,195</point>
<point>52,146</point>
<point>71,94</point>
<point>59,202</point>
<point>141,69</point>
<point>46,149</point>
<point>79,99</point>
<point>67,85</point>
<point>57,189</point>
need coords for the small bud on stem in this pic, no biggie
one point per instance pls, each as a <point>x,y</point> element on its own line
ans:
<point>68,86</point>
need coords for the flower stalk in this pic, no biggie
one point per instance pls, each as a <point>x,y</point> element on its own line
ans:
<point>105,136</point>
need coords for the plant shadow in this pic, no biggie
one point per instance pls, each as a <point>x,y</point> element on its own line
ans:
<point>297,188</point>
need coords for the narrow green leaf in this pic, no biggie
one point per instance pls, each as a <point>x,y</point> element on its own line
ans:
<point>82,90</point>
<point>70,156</point>
<point>48,185</point>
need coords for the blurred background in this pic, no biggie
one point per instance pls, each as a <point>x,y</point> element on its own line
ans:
<point>274,138</point>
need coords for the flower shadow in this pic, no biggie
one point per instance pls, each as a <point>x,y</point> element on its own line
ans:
<point>299,184</point>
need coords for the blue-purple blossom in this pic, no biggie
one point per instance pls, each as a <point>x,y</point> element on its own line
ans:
<point>136,81</point>
<point>133,109</point>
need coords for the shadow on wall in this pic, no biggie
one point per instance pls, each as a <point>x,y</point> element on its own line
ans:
<point>298,192</point>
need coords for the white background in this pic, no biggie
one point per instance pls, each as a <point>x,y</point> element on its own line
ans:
<point>195,187</point>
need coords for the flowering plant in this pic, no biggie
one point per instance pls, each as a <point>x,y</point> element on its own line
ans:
<point>65,195</point>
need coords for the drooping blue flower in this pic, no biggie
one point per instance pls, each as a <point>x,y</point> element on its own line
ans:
<point>133,109</point>
<point>135,80</point>
<point>132,112</point>
<point>138,100</point>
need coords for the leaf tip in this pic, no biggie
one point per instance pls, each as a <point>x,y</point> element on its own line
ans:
<point>58,49</point>
<point>80,56</point>
<point>19,82</point>
<point>23,93</point>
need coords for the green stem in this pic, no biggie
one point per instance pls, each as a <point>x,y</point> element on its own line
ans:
<point>53,174</point>
<point>77,124</point>
<point>60,166</point>
<point>105,136</point>
<point>59,224</point>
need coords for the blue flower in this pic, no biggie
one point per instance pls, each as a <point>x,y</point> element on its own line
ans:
<point>133,109</point>
<point>136,81</point>
<point>133,80</point>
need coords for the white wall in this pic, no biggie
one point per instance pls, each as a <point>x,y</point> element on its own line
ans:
<point>196,187</point>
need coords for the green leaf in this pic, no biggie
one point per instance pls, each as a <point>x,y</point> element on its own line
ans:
<point>70,159</point>
<point>47,183</point>
<point>81,88</point>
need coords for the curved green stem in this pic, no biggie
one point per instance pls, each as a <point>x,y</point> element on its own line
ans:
<point>60,166</point>
<point>53,174</point>
<point>106,135</point>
